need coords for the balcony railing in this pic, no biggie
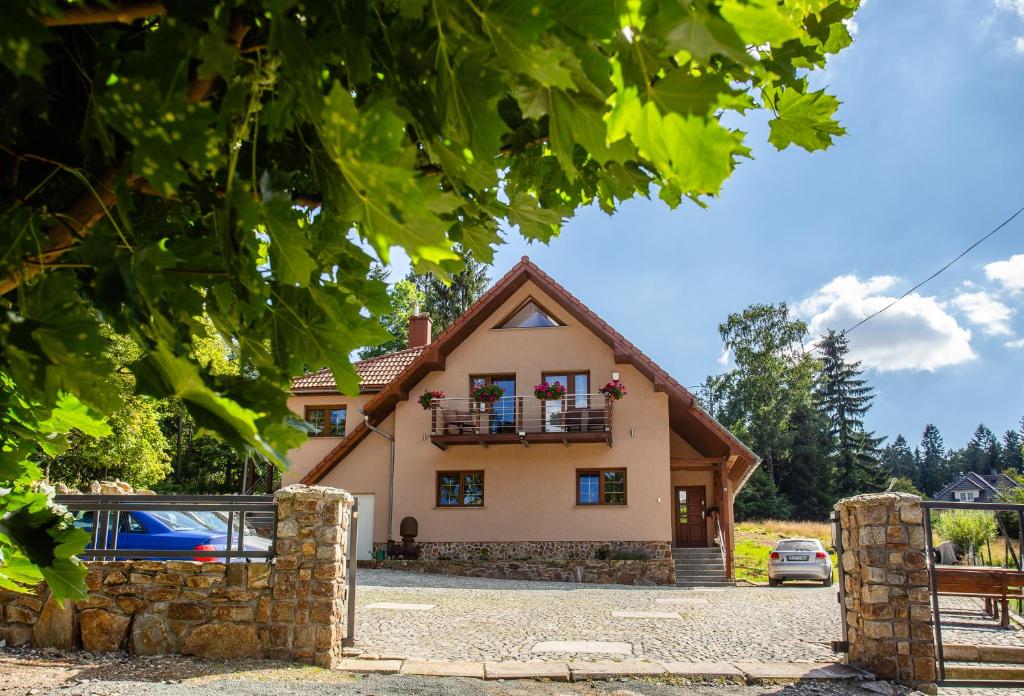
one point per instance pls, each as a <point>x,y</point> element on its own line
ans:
<point>521,419</point>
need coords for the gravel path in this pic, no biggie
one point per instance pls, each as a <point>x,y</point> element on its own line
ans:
<point>479,619</point>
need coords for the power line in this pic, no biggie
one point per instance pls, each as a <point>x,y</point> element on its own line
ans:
<point>964,253</point>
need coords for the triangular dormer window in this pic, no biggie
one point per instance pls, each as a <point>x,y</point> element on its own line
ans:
<point>529,315</point>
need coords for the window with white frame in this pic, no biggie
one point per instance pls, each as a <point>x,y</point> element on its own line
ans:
<point>966,496</point>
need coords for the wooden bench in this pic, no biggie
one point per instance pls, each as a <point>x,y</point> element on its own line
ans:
<point>997,586</point>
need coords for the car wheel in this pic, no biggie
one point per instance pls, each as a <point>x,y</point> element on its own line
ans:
<point>827,582</point>
<point>772,582</point>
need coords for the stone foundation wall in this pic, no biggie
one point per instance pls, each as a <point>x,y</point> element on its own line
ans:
<point>888,600</point>
<point>536,550</point>
<point>651,572</point>
<point>290,609</point>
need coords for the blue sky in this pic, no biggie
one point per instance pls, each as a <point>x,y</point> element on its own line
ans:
<point>934,158</point>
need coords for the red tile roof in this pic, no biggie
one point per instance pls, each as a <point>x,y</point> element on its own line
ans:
<point>374,373</point>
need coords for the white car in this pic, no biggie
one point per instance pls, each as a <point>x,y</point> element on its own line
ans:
<point>799,559</point>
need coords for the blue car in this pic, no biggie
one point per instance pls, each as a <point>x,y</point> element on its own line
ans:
<point>167,530</point>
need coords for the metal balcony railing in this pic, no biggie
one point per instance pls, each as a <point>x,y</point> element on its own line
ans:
<point>579,417</point>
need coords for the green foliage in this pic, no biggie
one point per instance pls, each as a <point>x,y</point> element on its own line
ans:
<point>756,400</point>
<point>844,396</point>
<point>983,454</point>
<point>897,459</point>
<point>135,451</point>
<point>445,301</point>
<point>932,463</point>
<point>904,485</point>
<point>153,166</point>
<point>969,530</point>
<point>808,481</point>
<point>404,299</point>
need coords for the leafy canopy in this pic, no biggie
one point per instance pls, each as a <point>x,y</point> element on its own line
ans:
<point>235,159</point>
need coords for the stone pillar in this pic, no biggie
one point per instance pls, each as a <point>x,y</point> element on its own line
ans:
<point>305,616</point>
<point>888,594</point>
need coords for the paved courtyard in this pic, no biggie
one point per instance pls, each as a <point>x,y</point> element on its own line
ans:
<point>448,618</point>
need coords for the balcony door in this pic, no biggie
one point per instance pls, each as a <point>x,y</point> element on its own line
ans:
<point>561,415</point>
<point>500,416</point>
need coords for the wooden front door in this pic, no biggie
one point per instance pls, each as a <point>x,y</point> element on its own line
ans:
<point>690,528</point>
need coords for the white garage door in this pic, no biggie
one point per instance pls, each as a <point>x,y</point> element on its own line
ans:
<point>364,540</point>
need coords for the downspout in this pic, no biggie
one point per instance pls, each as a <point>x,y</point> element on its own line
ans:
<point>391,469</point>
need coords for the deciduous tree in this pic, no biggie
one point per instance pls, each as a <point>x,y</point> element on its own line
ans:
<point>162,162</point>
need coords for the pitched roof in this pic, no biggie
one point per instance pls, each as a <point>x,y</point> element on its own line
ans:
<point>374,373</point>
<point>992,483</point>
<point>686,417</point>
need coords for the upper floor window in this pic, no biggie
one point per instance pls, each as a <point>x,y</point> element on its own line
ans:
<point>529,315</point>
<point>966,496</point>
<point>328,420</point>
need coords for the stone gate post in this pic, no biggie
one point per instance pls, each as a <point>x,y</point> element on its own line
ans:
<point>888,595</point>
<point>305,618</point>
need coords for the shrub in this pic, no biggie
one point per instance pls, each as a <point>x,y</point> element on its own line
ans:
<point>602,553</point>
<point>969,530</point>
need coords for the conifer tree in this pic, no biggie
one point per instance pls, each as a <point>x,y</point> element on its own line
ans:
<point>1013,452</point>
<point>897,459</point>
<point>447,302</point>
<point>983,453</point>
<point>931,474</point>
<point>845,397</point>
<point>807,483</point>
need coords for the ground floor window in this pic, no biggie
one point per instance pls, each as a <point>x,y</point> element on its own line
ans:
<point>328,420</point>
<point>600,486</point>
<point>460,488</point>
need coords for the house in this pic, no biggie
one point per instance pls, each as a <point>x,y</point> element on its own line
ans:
<point>578,476</point>
<point>971,487</point>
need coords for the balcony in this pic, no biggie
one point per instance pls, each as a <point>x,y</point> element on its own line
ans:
<point>522,420</point>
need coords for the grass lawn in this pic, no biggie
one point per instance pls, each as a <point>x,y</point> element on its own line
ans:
<point>755,540</point>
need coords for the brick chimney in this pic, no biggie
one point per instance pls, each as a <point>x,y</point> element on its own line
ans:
<point>419,330</point>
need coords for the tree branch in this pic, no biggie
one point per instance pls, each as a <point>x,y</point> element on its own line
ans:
<point>77,221</point>
<point>92,207</point>
<point>125,13</point>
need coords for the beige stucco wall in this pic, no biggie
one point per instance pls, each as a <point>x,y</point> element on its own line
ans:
<point>529,492</point>
<point>304,458</point>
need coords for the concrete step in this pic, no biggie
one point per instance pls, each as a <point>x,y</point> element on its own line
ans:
<point>1010,654</point>
<point>700,576</point>
<point>697,552</point>
<point>700,569</point>
<point>704,583</point>
<point>964,670</point>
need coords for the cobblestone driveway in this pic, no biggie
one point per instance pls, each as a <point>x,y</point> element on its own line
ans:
<point>478,619</point>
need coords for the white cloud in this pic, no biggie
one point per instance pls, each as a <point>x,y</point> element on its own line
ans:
<point>984,310</point>
<point>1019,343</point>
<point>1016,6</point>
<point>1008,273</point>
<point>915,334</point>
<point>1018,44</point>
<point>725,357</point>
<point>844,286</point>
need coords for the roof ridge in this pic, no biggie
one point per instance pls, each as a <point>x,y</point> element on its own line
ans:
<point>386,355</point>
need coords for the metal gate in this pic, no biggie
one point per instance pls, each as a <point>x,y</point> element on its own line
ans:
<point>940,576</point>
<point>842,645</point>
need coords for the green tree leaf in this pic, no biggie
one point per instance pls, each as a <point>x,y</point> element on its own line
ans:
<point>805,120</point>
